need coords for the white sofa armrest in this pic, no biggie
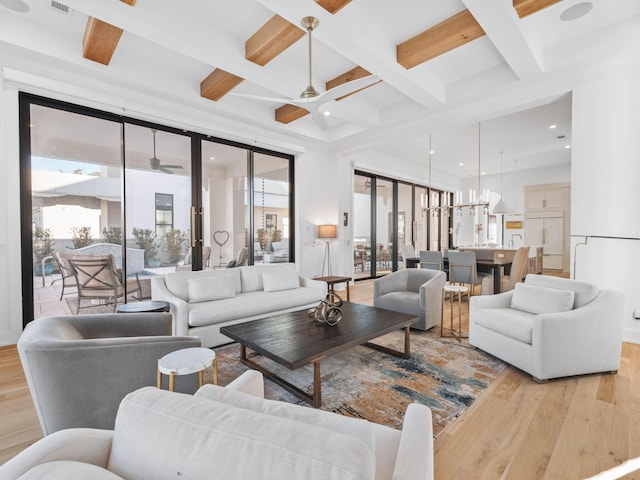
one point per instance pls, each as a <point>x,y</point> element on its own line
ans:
<point>568,341</point>
<point>431,291</point>
<point>415,452</point>
<point>250,382</point>
<point>310,282</point>
<point>87,445</point>
<point>179,308</point>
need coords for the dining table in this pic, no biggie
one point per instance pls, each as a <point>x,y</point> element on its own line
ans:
<point>493,266</point>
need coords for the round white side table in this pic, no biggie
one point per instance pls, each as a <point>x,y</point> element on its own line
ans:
<point>185,362</point>
<point>452,290</point>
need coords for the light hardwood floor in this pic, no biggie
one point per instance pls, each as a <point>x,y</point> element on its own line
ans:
<point>518,429</point>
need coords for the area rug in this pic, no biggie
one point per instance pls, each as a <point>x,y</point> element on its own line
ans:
<point>442,373</point>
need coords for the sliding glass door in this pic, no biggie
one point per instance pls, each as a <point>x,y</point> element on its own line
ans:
<point>153,198</point>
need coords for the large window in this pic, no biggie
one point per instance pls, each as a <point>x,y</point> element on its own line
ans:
<point>156,198</point>
<point>164,214</point>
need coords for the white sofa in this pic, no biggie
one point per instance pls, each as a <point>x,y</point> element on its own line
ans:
<point>231,433</point>
<point>203,301</point>
<point>550,327</point>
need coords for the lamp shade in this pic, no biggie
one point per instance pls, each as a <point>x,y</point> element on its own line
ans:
<point>501,207</point>
<point>327,231</point>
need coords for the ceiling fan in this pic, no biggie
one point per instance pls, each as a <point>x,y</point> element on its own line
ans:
<point>155,162</point>
<point>310,99</point>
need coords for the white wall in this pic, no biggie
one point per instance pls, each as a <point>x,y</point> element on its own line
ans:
<point>604,193</point>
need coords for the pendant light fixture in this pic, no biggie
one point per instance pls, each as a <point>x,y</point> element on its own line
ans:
<point>501,206</point>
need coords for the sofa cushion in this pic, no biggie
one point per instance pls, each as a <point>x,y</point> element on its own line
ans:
<point>251,276</point>
<point>280,279</point>
<point>403,302</point>
<point>247,305</point>
<point>177,282</point>
<point>509,322</point>
<point>68,470</point>
<point>164,435</point>
<point>210,288</point>
<point>536,299</point>
<point>383,440</point>
<point>584,292</point>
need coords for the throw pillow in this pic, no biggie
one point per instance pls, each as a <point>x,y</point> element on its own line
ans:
<point>280,279</point>
<point>210,288</point>
<point>537,299</point>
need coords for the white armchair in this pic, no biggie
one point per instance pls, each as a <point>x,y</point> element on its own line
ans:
<point>550,327</point>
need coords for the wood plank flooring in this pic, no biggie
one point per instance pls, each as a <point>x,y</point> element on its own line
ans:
<point>518,429</point>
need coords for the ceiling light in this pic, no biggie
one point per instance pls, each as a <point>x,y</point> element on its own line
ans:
<point>552,126</point>
<point>567,147</point>
<point>501,206</point>
<point>212,158</point>
<point>326,113</point>
<point>431,152</point>
<point>483,173</point>
<point>16,5</point>
<point>576,11</point>
<point>461,164</point>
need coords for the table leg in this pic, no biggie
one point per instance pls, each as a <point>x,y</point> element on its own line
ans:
<point>348,294</point>
<point>172,381</point>
<point>317,382</point>
<point>159,380</point>
<point>200,378</point>
<point>214,366</point>
<point>496,278</point>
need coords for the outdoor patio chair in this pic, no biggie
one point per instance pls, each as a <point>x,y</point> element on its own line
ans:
<point>98,279</point>
<point>66,270</point>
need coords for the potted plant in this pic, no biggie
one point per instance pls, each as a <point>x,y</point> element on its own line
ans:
<point>112,235</point>
<point>173,244</point>
<point>81,237</point>
<point>145,239</point>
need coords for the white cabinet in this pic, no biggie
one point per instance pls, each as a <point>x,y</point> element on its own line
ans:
<point>547,213</point>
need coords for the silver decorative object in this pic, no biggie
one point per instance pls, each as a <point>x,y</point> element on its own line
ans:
<point>328,310</point>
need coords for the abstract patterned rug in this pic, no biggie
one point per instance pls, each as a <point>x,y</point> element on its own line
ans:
<point>442,373</point>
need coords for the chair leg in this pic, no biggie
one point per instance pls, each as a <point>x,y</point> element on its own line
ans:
<point>538,380</point>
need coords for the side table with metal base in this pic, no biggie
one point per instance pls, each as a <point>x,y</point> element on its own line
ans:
<point>332,280</point>
<point>452,290</point>
<point>144,306</point>
<point>185,362</point>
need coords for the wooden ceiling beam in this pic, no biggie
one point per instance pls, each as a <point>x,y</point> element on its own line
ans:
<point>273,38</point>
<point>451,33</point>
<point>218,84</point>
<point>527,7</point>
<point>333,6</point>
<point>101,39</point>
<point>288,113</point>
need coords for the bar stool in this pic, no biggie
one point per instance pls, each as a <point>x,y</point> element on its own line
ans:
<point>452,290</point>
<point>185,362</point>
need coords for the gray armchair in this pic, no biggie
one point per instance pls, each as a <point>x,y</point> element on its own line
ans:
<point>79,368</point>
<point>414,291</point>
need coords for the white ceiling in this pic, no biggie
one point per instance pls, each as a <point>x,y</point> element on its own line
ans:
<point>516,80</point>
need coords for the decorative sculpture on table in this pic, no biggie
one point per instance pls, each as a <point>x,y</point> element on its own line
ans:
<point>328,310</point>
<point>221,237</point>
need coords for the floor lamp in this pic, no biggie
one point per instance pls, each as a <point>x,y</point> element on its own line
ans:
<point>327,231</point>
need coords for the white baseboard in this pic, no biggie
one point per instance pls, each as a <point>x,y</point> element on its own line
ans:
<point>631,336</point>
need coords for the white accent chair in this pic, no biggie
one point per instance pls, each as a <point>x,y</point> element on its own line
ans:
<point>235,433</point>
<point>551,327</point>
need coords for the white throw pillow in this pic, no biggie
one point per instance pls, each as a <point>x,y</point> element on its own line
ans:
<point>210,288</point>
<point>536,299</point>
<point>280,279</point>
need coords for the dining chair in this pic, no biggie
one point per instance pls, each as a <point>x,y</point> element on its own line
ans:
<point>463,269</point>
<point>431,259</point>
<point>98,279</point>
<point>516,274</point>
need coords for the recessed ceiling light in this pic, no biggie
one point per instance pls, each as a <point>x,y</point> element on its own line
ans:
<point>431,152</point>
<point>576,11</point>
<point>326,113</point>
<point>461,164</point>
<point>15,5</point>
<point>567,147</point>
<point>483,173</point>
<point>212,158</point>
<point>552,126</point>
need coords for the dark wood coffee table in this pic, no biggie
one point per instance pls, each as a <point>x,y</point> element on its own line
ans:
<point>294,340</point>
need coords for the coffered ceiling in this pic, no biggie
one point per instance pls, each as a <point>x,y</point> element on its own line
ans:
<point>442,65</point>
